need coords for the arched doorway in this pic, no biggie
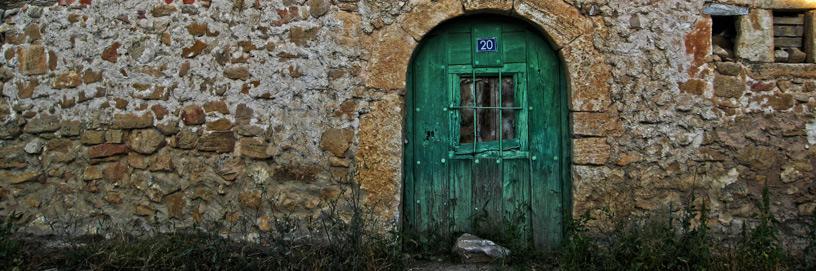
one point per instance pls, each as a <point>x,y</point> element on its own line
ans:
<point>487,132</point>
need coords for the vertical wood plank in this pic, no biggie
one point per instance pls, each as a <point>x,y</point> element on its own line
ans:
<point>408,189</point>
<point>487,196</point>
<point>516,200</point>
<point>462,195</point>
<point>545,142</point>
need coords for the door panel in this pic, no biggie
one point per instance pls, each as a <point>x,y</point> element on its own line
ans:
<point>485,130</point>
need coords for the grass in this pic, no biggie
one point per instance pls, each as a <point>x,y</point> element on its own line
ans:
<point>347,236</point>
<point>344,237</point>
<point>658,243</point>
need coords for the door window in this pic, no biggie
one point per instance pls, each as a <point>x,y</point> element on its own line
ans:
<point>482,96</point>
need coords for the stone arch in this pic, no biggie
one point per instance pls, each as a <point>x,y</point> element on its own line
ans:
<point>379,156</point>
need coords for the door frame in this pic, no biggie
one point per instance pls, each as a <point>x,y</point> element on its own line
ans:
<point>378,154</point>
<point>565,161</point>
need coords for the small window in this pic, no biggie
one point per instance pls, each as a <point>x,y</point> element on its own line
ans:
<point>789,36</point>
<point>494,112</point>
<point>723,35</point>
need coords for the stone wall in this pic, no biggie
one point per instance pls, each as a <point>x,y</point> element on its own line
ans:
<point>196,111</point>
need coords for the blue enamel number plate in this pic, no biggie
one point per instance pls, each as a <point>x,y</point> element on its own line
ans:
<point>486,45</point>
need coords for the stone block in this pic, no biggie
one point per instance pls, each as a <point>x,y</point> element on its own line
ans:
<point>106,150</point>
<point>588,76</point>
<point>477,5</point>
<point>68,79</point>
<point>729,86</point>
<point>427,14</point>
<point>8,177</point>
<point>318,8</point>
<point>43,124</point>
<point>337,141</point>
<point>391,50</point>
<point>755,36</point>
<point>220,142</point>
<point>595,124</point>
<point>193,115</point>
<point>132,121</point>
<point>590,151</point>
<point>145,141</point>
<point>254,148</point>
<point>90,137</point>
<point>33,60</point>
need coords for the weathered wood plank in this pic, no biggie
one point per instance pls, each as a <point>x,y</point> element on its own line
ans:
<point>487,196</point>
<point>545,143</point>
<point>462,195</point>
<point>784,42</point>
<point>516,198</point>
<point>790,20</point>
<point>789,30</point>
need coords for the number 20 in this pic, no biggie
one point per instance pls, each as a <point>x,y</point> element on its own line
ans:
<point>487,45</point>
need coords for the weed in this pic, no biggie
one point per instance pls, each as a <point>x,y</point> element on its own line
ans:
<point>810,251</point>
<point>10,248</point>
<point>345,236</point>
<point>760,248</point>
<point>652,243</point>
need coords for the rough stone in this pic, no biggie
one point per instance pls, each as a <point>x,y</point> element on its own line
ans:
<point>728,86</point>
<point>318,8</point>
<point>219,125</point>
<point>69,79</point>
<point>250,199</point>
<point>301,36</point>
<point>472,249</point>
<point>18,177</point>
<point>106,150</point>
<point>186,139</point>
<point>220,142</point>
<point>193,115</point>
<point>111,53</point>
<point>216,106</point>
<point>590,151</point>
<point>163,10</point>
<point>254,148</point>
<point>43,124</point>
<point>145,141</point>
<point>33,60</point>
<point>595,124</point>
<point>729,68</point>
<point>90,137</point>
<point>237,72</point>
<point>132,121</point>
<point>34,146</point>
<point>337,141</point>
<point>391,51</point>
<point>194,50</point>
<point>755,42</point>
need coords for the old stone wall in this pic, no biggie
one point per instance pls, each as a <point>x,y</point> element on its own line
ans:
<point>197,111</point>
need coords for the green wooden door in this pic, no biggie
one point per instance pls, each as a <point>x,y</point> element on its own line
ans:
<point>486,147</point>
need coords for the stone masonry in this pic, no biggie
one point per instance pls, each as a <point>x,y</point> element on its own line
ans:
<point>191,112</point>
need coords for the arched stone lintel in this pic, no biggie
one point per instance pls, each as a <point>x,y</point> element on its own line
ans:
<point>570,32</point>
<point>390,49</point>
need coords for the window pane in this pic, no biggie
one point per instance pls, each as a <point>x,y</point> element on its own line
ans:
<point>488,125</point>
<point>465,85</point>
<point>466,126</point>
<point>508,124</point>
<point>508,92</point>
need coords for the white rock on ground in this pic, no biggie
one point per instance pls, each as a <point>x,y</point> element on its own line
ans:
<point>473,249</point>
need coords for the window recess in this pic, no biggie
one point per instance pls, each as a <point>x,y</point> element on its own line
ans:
<point>723,35</point>
<point>789,30</point>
